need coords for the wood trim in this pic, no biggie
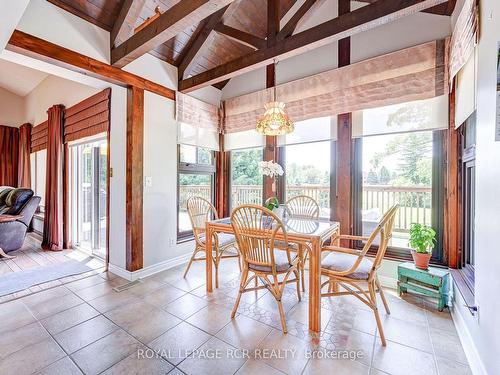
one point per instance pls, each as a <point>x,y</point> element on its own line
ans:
<point>445,9</point>
<point>66,214</point>
<point>134,179</point>
<point>200,38</point>
<point>240,36</point>
<point>451,240</point>
<point>173,21</point>
<point>222,195</point>
<point>351,23</point>
<point>291,25</point>
<point>108,188</point>
<point>119,24</point>
<point>40,49</point>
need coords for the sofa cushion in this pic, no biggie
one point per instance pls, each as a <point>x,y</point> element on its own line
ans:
<point>4,191</point>
<point>15,201</point>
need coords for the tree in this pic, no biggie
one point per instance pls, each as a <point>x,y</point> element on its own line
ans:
<point>245,167</point>
<point>372,178</point>
<point>384,176</point>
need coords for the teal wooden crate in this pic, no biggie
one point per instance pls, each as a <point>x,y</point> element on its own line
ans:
<point>433,282</point>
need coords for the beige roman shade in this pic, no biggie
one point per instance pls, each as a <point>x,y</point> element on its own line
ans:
<point>39,137</point>
<point>464,38</point>
<point>198,122</point>
<point>414,73</point>
<point>89,117</point>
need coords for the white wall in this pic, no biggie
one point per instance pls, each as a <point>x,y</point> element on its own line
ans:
<point>483,331</point>
<point>11,109</point>
<point>11,13</point>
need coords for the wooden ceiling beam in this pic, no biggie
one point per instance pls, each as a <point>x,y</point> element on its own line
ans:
<point>240,36</point>
<point>40,49</point>
<point>198,40</point>
<point>359,20</point>
<point>173,21</point>
<point>445,9</point>
<point>291,25</point>
<point>124,23</point>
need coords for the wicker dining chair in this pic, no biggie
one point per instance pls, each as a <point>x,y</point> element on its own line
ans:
<point>200,211</point>
<point>353,270</point>
<point>302,207</point>
<point>256,228</point>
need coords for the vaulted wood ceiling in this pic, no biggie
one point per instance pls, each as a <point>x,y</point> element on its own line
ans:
<point>203,35</point>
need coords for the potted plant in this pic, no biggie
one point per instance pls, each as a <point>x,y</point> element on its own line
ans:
<point>272,170</point>
<point>422,240</point>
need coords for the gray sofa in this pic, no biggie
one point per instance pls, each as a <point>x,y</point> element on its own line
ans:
<point>16,202</point>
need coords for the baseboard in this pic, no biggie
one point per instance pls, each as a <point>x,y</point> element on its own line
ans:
<point>388,282</point>
<point>475,362</point>
<point>150,270</point>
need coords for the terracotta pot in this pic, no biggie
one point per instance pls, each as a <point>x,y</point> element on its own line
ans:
<point>421,260</point>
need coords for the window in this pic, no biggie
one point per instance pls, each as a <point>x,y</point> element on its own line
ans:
<point>196,177</point>
<point>89,196</point>
<point>468,187</point>
<point>245,177</point>
<point>398,159</point>
<point>38,166</point>
<point>307,172</point>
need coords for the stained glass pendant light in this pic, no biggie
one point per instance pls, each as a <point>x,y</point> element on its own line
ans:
<point>275,121</point>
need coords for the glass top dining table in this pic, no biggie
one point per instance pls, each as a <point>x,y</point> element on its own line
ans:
<point>302,231</point>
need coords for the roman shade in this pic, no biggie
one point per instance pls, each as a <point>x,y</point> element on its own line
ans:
<point>198,122</point>
<point>410,74</point>
<point>429,114</point>
<point>39,137</point>
<point>244,139</point>
<point>88,118</point>
<point>464,38</point>
<point>312,130</point>
<point>465,91</point>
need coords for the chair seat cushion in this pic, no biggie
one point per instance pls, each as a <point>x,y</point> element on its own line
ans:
<point>343,262</point>
<point>224,238</point>
<point>281,260</point>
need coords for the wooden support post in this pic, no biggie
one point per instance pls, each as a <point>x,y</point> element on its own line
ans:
<point>134,179</point>
<point>451,241</point>
<point>343,201</point>
<point>222,193</point>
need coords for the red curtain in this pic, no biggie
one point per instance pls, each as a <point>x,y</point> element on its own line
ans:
<point>51,228</point>
<point>9,149</point>
<point>24,167</point>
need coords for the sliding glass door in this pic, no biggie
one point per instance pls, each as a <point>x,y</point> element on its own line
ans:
<point>89,190</point>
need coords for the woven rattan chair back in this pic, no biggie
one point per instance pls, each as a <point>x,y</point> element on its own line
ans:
<point>200,211</point>
<point>255,228</point>
<point>302,206</point>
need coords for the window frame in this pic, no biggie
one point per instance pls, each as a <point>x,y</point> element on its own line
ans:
<point>437,198</point>
<point>194,169</point>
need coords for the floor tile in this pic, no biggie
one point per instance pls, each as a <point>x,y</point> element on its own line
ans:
<point>13,315</point>
<point>440,319</point>
<point>186,306</point>
<point>398,359</point>
<point>140,364</point>
<point>145,286</point>
<point>85,333</point>
<point>346,317</point>
<point>151,325</point>
<point>243,332</point>
<point>19,338</point>
<point>69,318</point>
<point>162,296</point>
<point>85,282</point>
<point>175,344</point>
<point>45,295</point>
<point>64,366</point>
<point>356,341</point>
<point>414,334</point>
<point>55,305</point>
<point>291,353</point>
<point>211,319</point>
<point>253,366</point>
<point>32,358</point>
<point>448,367</point>
<point>94,291</point>
<point>213,357</point>
<point>447,345</point>
<point>102,354</point>
<point>130,312</point>
<point>336,366</point>
<point>112,300</point>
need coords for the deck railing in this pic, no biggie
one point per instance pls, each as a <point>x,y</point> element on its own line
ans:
<point>414,202</point>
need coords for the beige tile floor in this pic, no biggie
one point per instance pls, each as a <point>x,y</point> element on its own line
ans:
<point>83,326</point>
